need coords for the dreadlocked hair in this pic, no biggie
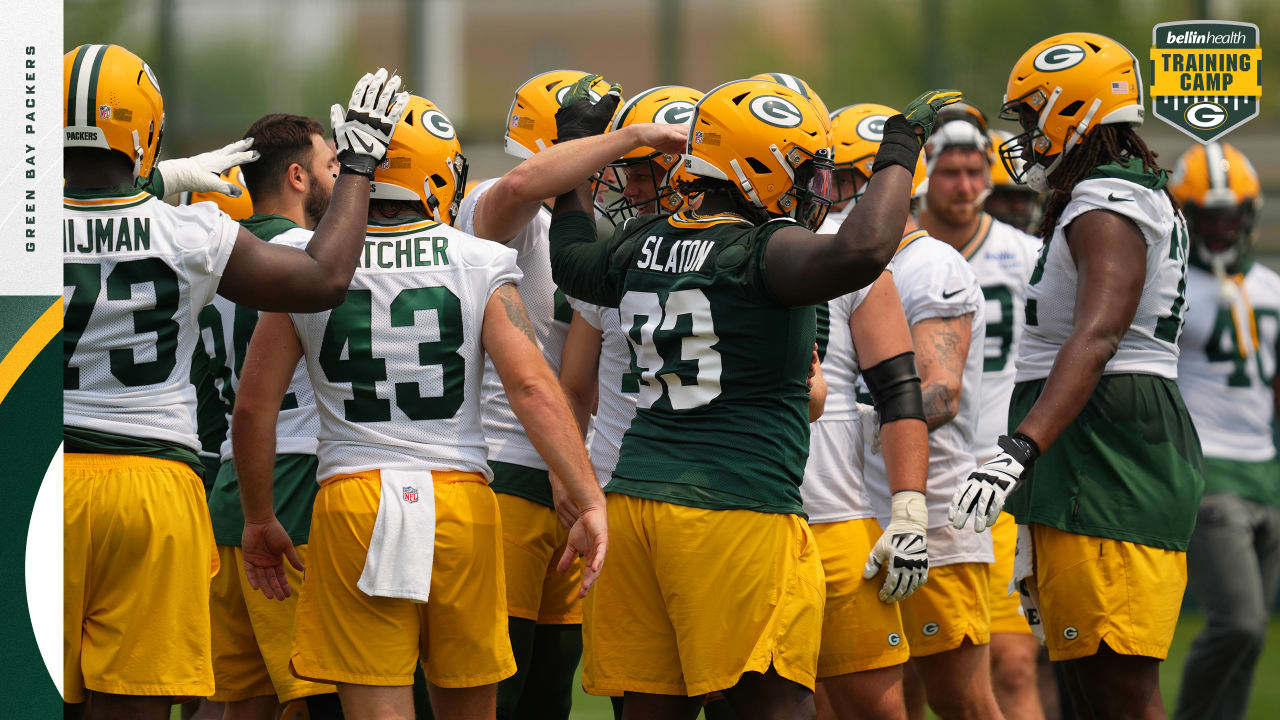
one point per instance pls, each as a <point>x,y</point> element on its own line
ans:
<point>713,187</point>
<point>1105,145</point>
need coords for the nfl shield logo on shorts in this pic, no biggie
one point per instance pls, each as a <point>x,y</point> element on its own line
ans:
<point>104,112</point>
<point>410,494</point>
<point>1206,76</point>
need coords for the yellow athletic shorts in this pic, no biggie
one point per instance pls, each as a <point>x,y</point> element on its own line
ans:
<point>532,542</point>
<point>138,555</point>
<point>690,599</point>
<point>342,635</point>
<point>858,631</point>
<point>252,635</point>
<point>951,606</point>
<point>1006,608</point>
<point>1093,589</point>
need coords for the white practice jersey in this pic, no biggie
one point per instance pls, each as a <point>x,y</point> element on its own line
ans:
<point>550,314</point>
<point>934,281</point>
<point>1002,257</point>
<point>136,274</point>
<point>1150,345</point>
<point>397,368</point>
<point>1223,374</point>
<point>616,388</point>
<point>833,490</point>
<point>298,424</point>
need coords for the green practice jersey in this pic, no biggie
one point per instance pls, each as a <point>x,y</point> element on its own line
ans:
<point>722,418</point>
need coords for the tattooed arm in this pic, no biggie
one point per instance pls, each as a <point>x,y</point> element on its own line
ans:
<point>539,403</point>
<point>941,345</point>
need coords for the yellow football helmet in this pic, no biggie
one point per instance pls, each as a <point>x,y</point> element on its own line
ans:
<point>801,87</point>
<point>670,104</point>
<point>531,122</point>
<point>1060,90</point>
<point>238,208</point>
<point>769,142</point>
<point>856,132</point>
<point>1220,196</point>
<point>111,100</point>
<point>424,162</point>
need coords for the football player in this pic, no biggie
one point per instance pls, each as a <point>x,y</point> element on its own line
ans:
<point>405,560</point>
<point>290,185</point>
<point>1226,372</point>
<point>136,274</point>
<point>1105,515</point>
<point>865,333</point>
<point>1009,202</point>
<point>514,209</point>
<point>208,365</point>
<point>1002,257</point>
<point>947,621</point>
<point>704,501</point>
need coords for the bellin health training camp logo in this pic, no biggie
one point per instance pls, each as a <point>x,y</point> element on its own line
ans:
<point>1207,78</point>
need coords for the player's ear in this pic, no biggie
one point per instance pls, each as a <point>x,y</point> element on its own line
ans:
<point>296,177</point>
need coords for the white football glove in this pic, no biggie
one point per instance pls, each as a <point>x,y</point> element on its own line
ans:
<point>903,547</point>
<point>983,494</point>
<point>364,130</point>
<point>200,172</point>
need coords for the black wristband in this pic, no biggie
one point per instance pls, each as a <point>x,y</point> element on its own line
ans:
<point>352,162</point>
<point>899,146</point>
<point>1022,448</point>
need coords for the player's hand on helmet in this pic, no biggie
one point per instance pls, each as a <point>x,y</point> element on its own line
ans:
<point>265,545</point>
<point>982,496</point>
<point>588,539</point>
<point>664,138</point>
<point>922,113</point>
<point>566,508</point>
<point>363,131</point>
<point>903,548</point>
<point>579,116</point>
<point>200,173</point>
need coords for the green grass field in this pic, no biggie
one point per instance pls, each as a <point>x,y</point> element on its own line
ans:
<point>1266,690</point>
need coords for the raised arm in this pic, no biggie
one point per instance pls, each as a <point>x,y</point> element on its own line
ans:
<point>511,202</point>
<point>277,278</point>
<point>269,363</point>
<point>536,398</point>
<point>805,268</point>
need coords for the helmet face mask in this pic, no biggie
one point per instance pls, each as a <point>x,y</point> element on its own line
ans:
<point>656,193</point>
<point>1022,153</point>
<point>812,192</point>
<point>1225,233</point>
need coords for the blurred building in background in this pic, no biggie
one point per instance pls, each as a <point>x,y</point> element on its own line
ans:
<point>224,63</point>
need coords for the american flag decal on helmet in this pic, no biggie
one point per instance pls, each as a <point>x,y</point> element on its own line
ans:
<point>410,494</point>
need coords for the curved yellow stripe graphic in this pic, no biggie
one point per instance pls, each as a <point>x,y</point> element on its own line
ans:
<point>28,346</point>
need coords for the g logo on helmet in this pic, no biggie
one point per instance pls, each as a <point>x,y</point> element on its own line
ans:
<point>1059,57</point>
<point>676,112</point>
<point>595,96</point>
<point>871,127</point>
<point>434,122</point>
<point>1205,115</point>
<point>776,111</point>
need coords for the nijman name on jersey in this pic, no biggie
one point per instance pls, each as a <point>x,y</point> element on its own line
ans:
<point>405,252</point>
<point>680,257</point>
<point>105,235</point>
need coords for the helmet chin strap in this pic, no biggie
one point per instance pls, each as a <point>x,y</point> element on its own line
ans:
<point>1038,175</point>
